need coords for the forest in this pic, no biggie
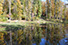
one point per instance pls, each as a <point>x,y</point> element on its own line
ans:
<point>31,10</point>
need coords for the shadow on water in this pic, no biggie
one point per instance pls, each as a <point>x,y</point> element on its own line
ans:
<point>34,34</point>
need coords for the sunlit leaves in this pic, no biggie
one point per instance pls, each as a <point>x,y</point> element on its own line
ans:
<point>1,7</point>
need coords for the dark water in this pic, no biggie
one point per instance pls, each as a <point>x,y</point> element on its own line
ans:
<point>34,34</point>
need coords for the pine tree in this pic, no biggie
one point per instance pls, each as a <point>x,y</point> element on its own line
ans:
<point>47,9</point>
<point>39,9</point>
<point>15,15</point>
<point>34,9</point>
<point>52,9</point>
<point>5,6</point>
<point>29,10</point>
<point>24,9</point>
<point>2,39</point>
<point>19,9</point>
<point>1,6</point>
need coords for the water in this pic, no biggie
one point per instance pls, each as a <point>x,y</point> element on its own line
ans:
<point>34,34</point>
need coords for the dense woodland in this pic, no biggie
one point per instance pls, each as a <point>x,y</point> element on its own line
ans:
<point>33,10</point>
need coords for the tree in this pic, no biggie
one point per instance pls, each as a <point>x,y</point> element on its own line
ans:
<point>47,9</point>
<point>34,9</point>
<point>39,9</point>
<point>2,39</point>
<point>5,6</point>
<point>1,6</point>
<point>24,8</point>
<point>10,9</point>
<point>66,14</point>
<point>43,8</point>
<point>52,9</point>
<point>29,10</point>
<point>19,9</point>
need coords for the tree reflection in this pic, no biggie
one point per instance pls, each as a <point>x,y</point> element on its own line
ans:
<point>34,34</point>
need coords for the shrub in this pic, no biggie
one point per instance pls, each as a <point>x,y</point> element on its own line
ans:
<point>3,18</point>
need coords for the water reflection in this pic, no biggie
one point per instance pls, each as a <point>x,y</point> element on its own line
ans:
<point>64,41</point>
<point>35,34</point>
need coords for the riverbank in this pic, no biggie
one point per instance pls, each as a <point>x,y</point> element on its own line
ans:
<point>23,22</point>
<point>16,24</point>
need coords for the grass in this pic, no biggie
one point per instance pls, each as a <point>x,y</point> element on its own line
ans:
<point>22,22</point>
<point>27,22</point>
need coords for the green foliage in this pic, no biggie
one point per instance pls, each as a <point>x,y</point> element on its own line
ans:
<point>19,9</point>
<point>3,18</point>
<point>39,8</point>
<point>33,9</point>
<point>1,7</point>
<point>14,16</point>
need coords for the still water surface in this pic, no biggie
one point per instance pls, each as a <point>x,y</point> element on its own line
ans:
<point>34,34</point>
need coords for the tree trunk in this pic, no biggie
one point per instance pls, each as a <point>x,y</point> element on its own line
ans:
<point>10,9</point>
